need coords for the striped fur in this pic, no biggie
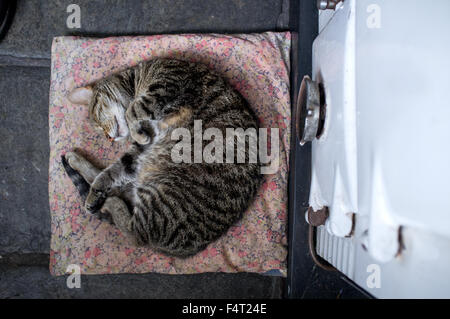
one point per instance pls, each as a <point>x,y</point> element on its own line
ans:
<point>177,209</point>
<point>80,183</point>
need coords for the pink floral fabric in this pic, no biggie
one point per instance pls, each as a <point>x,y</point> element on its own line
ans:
<point>255,64</point>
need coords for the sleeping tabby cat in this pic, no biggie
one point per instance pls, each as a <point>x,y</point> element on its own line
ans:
<point>176,208</point>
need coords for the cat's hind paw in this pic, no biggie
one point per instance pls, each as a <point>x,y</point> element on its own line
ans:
<point>72,159</point>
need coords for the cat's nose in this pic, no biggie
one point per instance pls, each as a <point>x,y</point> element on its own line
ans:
<point>111,139</point>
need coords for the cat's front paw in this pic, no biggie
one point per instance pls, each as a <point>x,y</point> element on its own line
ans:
<point>95,200</point>
<point>139,135</point>
<point>136,121</point>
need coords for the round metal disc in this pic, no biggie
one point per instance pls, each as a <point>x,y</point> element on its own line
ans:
<point>308,110</point>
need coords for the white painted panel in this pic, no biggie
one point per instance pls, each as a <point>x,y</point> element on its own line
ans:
<point>384,155</point>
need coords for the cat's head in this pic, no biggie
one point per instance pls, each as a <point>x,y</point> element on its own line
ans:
<point>107,106</point>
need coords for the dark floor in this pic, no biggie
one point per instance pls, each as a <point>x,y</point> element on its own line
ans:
<point>24,149</point>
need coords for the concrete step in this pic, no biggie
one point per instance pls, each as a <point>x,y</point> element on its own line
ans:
<point>18,279</point>
<point>37,22</point>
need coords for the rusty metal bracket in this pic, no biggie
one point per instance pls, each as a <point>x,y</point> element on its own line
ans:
<point>315,219</point>
<point>319,261</point>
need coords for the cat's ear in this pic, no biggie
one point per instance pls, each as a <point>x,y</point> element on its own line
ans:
<point>81,95</point>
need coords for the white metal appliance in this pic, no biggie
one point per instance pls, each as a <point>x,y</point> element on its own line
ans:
<point>382,163</point>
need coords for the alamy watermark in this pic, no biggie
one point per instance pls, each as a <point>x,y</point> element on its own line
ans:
<point>74,279</point>
<point>374,279</point>
<point>74,19</point>
<point>374,19</point>
<point>229,150</point>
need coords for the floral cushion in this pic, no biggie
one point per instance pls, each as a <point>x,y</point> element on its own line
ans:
<point>255,64</point>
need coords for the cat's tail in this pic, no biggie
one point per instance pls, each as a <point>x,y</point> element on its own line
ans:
<point>80,183</point>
